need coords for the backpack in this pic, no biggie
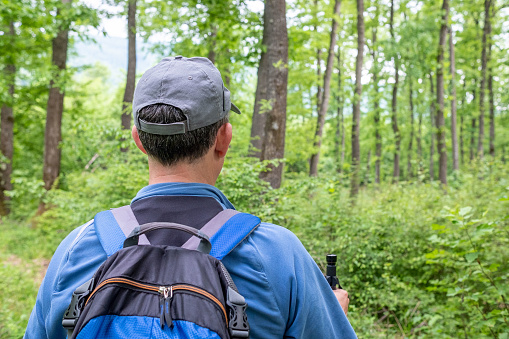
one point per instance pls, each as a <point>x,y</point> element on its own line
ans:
<point>149,291</point>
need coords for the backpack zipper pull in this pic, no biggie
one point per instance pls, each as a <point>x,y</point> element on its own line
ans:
<point>161,306</point>
<point>164,306</point>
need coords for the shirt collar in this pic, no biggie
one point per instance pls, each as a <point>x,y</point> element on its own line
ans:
<point>184,188</point>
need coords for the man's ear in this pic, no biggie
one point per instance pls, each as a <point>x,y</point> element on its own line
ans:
<point>223,139</point>
<point>136,138</point>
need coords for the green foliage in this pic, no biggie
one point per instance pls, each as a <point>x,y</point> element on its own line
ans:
<point>474,271</point>
<point>385,243</point>
<point>16,297</point>
<point>240,183</point>
<point>19,283</point>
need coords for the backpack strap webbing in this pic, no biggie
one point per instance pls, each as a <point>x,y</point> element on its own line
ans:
<point>127,221</point>
<point>226,230</point>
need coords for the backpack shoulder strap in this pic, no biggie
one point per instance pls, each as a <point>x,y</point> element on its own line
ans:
<point>127,222</point>
<point>114,226</point>
<point>226,230</point>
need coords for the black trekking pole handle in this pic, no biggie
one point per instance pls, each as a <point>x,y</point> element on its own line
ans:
<point>205,246</point>
<point>331,276</point>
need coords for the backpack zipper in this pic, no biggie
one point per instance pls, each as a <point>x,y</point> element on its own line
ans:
<point>166,296</point>
<point>164,306</point>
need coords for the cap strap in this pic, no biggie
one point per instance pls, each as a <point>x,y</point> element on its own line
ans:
<point>163,129</point>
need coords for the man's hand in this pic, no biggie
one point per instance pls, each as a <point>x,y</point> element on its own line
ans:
<point>343,299</point>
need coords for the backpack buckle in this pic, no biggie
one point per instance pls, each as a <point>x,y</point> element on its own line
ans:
<point>77,304</point>
<point>238,325</point>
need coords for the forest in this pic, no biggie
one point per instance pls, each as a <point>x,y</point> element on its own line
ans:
<point>377,130</point>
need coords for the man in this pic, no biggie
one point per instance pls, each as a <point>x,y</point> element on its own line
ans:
<point>180,113</point>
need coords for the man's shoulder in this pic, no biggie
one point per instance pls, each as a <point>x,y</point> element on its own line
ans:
<point>270,249</point>
<point>79,249</point>
<point>276,237</point>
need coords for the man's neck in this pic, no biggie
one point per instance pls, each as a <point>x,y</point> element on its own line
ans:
<point>182,172</point>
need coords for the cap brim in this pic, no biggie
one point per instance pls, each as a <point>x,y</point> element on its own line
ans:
<point>235,108</point>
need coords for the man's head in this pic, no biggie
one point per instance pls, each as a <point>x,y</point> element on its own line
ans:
<point>178,108</point>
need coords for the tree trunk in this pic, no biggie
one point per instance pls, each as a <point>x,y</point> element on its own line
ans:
<point>454,134</point>
<point>394,103</point>
<point>53,132</point>
<point>337,137</point>
<point>277,81</point>
<point>324,105</point>
<point>378,136</point>
<point>261,102</point>
<point>131,66</point>
<point>491,96</point>
<point>356,112</point>
<point>432,134</point>
<point>319,94</point>
<point>484,65</point>
<point>368,169</point>
<point>440,122</point>
<point>492,115</point>
<point>227,70</point>
<point>472,138</point>
<point>7,129</point>
<point>462,123</point>
<point>342,161</point>
<point>419,141</point>
<point>473,128</point>
<point>411,142</point>
<point>462,151</point>
<point>213,41</point>
<point>340,131</point>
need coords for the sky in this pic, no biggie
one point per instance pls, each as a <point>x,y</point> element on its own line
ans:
<point>115,26</point>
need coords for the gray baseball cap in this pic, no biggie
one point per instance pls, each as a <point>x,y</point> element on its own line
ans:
<point>192,84</point>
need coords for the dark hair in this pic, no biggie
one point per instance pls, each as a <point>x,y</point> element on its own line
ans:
<point>171,149</point>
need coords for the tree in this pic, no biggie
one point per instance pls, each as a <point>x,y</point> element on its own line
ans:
<point>261,101</point>
<point>356,116</point>
<point>55,106</point>
<point>442,152</point>
<point>339,142</point>
<point>394,102</point>
<point>490,90</point>
<point>131,66</point>
<point>484,66</point>
<point>324,104</point>
<point>454,135</point>
<point>376,100</point>
<point>319,94</point>
<point>410,143</point>
<point>213,42</point>
<point>432,128</point>
<point>419,141</point>
<point>462,124</point>
<point>474,123</point>
<point>7,128</point>
<point>275,35</point>
<point>260,105</point>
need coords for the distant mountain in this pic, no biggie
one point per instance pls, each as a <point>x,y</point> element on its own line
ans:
<point>112,52</point>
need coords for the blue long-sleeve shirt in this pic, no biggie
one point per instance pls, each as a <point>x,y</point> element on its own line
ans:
<point>287,295</point>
